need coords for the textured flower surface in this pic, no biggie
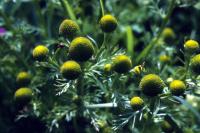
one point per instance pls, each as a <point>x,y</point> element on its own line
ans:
<point>68,28</point>
<point>195,64</point>
<point>70,70</point>
<point>40,52</point>
<point>81,49</point>
<point>23,95</point>
<point>191,45</point>
<point>136,103</point>
<point>108,23</point>
<point>152,85</point>
<point>177,87</point>
<point>168,35</point>
<point>23,78</point>
<point>122,64</point>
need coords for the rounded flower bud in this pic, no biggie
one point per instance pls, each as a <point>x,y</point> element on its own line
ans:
<point>122,64</point>
<point>152,85</point>
<point>23,78</point>
<point>107,68</point>
<point>166,127</point>
<point>81,49</point>
<point>191,45</point>
<point>70,70</point>
<point>23,96</point>
<point>68,28</point>
<point>168,35</point>
<point>136,103</point>
<point>164,58</point>
<point>177,87</point>
<point>195,64</point>
<point>108,23</point>
<point>40,52</point>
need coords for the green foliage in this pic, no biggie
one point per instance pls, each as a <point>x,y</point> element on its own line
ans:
<point>151,36</point>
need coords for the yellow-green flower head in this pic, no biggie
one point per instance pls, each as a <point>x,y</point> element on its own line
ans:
<point>107,129</point>
<point>195,64</point>
<point>188,130</point>
<point>23,96</point>
<point>102,123</point>
<point>108,23</point>
<point>68,28</point>
<point>121,64</point>
<point>168,35</point>
<point>166,127</point>
<point>177,87</point>
<point>70,70</point>
<point>152,85</point>
<point>40,52</point>
<point>191,45</point>
<point>23,78</point>
<point>164,58</point>
<point>138,69</point>
<point>107,68</point>
<point>136,103</point>
<point>81,49</point>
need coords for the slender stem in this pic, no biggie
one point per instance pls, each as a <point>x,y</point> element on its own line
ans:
<point>130,43</point>
<point>68,9</point>
<point>49,19</point>
<point>150,46</point>
<point>75,125</point>
<point>187,62</point>
<point>41,18</point>
<point>102,105</point>
<point>102,7</point>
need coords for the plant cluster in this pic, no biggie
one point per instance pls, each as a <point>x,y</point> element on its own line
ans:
<point>99,66</point>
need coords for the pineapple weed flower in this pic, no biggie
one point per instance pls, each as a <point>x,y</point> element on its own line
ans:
<point>114,77</point>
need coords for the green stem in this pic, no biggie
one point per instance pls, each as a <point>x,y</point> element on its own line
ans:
<point>49,19</point>
<point>41,18</point>
<point>75,125</point>
<point>187,61</point>
<point>151,45</point>
<point>130,43</point>
<point>102,105</point>
<point>102,7</point>
<point>68,9</point>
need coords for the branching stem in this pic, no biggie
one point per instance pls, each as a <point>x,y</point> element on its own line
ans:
<point>102,105</point>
